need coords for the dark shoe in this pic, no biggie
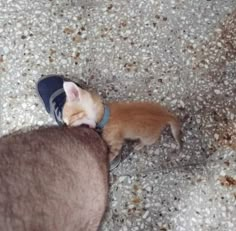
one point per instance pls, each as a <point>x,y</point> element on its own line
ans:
<point>50,90</point>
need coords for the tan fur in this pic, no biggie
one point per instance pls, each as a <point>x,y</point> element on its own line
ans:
<point>82,107</point>
<point>142,121</point>
<point>138,120</point>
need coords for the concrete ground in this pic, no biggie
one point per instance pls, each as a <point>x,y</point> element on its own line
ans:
<point>180,53</point>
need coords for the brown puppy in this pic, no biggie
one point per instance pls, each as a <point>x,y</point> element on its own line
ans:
<point>138,120</point>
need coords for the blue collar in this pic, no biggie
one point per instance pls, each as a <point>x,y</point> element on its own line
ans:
<point>105,118</point>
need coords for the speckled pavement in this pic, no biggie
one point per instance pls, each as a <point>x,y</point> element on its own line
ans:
<point>180,53</point>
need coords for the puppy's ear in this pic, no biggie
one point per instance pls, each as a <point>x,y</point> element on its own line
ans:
<point>72,91</point>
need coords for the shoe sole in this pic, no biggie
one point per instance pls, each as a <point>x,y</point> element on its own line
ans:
<point>115,162</point>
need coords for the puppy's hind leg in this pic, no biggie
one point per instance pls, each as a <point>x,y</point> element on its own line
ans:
<point>145,141</point>
<point>175,129</point>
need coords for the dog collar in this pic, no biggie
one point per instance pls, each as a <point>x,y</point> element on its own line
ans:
<point>106,116</point>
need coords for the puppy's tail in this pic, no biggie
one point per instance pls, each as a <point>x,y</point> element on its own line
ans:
<point>175,129</point>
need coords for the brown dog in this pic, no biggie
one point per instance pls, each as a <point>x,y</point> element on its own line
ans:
<point>53,179</point>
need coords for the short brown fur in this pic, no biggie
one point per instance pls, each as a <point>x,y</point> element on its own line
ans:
<point>53,179</point>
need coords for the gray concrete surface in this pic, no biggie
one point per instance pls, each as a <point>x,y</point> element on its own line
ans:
<point>180,53</point>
